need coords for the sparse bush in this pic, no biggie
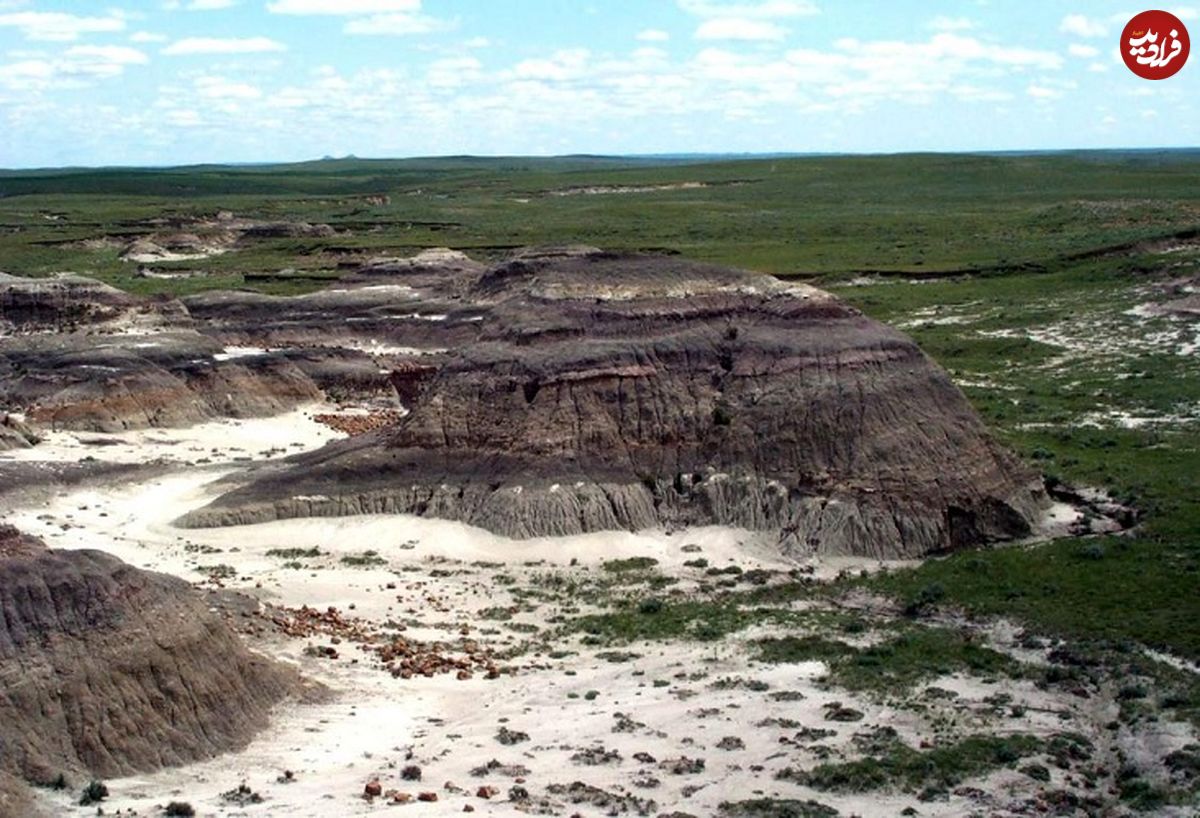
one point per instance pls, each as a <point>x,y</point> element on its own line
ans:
<point>630,564</point>
<point>179,809</point>
<point>650,606</point>
<point>366,559</point>
<point>93,793</point>
<point>925,599</point>
<point>1038,772</point>
<point>294,553</point>
<point>931,771</point>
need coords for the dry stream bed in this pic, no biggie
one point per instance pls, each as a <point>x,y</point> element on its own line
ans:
<point>673,673</point>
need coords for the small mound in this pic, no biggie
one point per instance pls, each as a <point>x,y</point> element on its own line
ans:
<point>111,670</point>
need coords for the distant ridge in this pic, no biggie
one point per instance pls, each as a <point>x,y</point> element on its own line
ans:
<point>350,160</point>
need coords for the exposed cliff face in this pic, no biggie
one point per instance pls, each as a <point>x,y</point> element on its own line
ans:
<point>67,302</point>
<point>108,669</point>
<point>608,392</point>
<point>80,355</point>
<point>415,308</point>
<point>15,433</point>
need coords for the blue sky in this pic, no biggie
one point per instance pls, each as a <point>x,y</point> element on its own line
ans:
<point>183,81</point>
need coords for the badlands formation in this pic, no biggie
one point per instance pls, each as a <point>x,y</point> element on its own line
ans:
<point>547,537</point>
<point>558,393</point>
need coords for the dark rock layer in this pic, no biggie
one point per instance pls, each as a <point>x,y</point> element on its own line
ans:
<point>81,355</point>
<point>108,669</point>
<point>625,392</point>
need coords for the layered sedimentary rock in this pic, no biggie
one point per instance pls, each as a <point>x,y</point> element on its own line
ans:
<point>625,392</point>
<point>77,354</point>
<point>66,302</point>
<point>108,669</point>
<point>15,433</point>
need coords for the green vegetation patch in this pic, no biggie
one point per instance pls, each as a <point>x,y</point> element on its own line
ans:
<point>295,553</point>
<point>898,663</point>
<point>694,619</point>
<point>1111,588</point>
<point>901,767</point>
<point>629,564</point>
<point>776,808</point>
<point>366,559</point>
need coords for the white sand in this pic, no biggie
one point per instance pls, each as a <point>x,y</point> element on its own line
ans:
<point>376,725</point>
<point>219,440</point>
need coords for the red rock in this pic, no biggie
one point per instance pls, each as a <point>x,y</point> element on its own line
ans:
<point>427,796</point>
<point>373,789</point>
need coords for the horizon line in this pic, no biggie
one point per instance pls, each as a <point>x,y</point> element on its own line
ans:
<point>682,156</point>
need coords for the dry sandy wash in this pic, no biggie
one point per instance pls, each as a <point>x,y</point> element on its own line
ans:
<point>515,708</point>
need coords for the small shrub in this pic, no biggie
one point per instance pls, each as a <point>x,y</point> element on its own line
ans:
<point>363,560</point>
<point>510,737</point>
<point>630,564</point>
<point>179,809</point>
<point>1037,772</point>
<point>294,553</point>
<point>650,606</point>
<point>925,599</point>
<point>93,793</point>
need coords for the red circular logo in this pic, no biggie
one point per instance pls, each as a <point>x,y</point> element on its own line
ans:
<point>1155,45</point>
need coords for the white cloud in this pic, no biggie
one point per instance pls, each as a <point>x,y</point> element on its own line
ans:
<point>76,67</point>
<point>738,28</point>
<point>1084,51</point>
<point>147,37</point>
<point>52,25</point>
<point>478,42</point>
<point>1082,26</point>
<point>561,66</point>
<point>643,91</point>
<point>224,89</point>
<point>396,25</point>
<point>210,5</point>
<point>215,45</point>
<point>944,23</point>
<point>749,11</point>
<point>183,118</point>
<point>1042,93</point>
<point>653,35</point>
<point>343,7</point>
<point>454,72</point>
<point>108,54</point>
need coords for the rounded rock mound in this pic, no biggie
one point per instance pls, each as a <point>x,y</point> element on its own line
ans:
<point>617,391</point>
<point>109,670</point>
